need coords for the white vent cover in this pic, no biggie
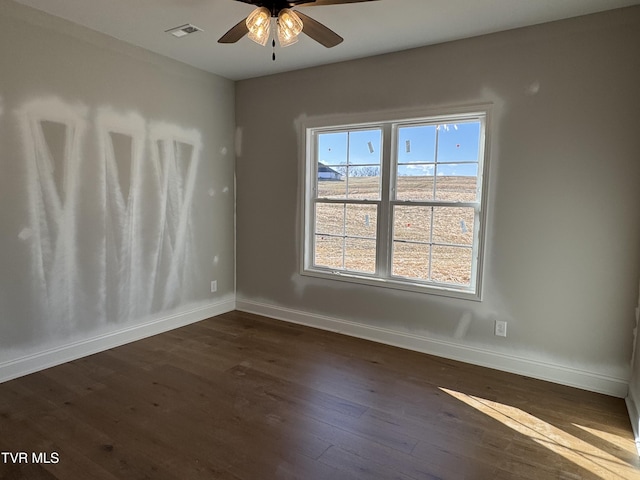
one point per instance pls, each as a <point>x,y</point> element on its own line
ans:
<point>183,30</point>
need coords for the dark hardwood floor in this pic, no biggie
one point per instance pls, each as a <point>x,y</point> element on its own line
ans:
<point>245,397</point>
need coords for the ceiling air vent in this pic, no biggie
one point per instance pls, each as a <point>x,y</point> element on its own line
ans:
<point>183,30</point>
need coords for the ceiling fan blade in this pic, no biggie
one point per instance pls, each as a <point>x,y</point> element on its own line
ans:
<point>235,33</point>
<point>321,34</point>
<point>317,3</point>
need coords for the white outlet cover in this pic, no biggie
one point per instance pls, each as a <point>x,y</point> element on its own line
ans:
<point>214,286</point>
<point>501,328</point>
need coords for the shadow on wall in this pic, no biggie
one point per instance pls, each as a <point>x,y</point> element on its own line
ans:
<point>133,256</point>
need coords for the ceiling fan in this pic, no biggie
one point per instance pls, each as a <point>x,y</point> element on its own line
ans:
<point>289,23</point>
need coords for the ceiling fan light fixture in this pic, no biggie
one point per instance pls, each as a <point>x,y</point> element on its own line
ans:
<point>261,35</point>
<point>289,27</point>
<point>285,40</point>
<point>259,25</point>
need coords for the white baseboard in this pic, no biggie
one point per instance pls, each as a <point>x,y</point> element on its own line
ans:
<point>563,375</point>
<point>66,353</point>
<point>634,416</point>
<point>545,371</point>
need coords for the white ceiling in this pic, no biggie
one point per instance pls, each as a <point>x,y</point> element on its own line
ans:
<point>369,28</point>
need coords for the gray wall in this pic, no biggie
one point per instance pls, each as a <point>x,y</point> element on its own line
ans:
<point>116,185</point>
<point>563,229</point>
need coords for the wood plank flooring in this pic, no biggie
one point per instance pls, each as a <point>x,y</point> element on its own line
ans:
<point>244,397</point>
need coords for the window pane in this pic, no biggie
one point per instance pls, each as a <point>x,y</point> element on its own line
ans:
<point>457,182</point>
<point>415,185</point>
<point>362,220</point>
<point>329,252</point>
<point>412,223</point>
<point>410,260</point>
<point>453,225</point>
<point>451,265</point>
<point>330,218</point>
<point>416,144</point>
<point>365,185</point>
<point>360,255</point>
<point>331,182</point>
<point>365,147</point>
<point>331,168</point>
<point>332,148</point>
<point>459,142</point>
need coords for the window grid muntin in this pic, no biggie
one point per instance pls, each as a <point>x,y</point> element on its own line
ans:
<point>348,165</point>
<point>431,242</point>
<point>344,235</point>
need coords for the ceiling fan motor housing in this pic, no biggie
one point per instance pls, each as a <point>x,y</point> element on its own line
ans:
<point>314,29</point>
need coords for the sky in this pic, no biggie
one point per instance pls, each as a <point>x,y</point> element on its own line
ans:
<point>456,152</point>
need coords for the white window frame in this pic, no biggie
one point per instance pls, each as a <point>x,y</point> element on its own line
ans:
<point>390,122</point>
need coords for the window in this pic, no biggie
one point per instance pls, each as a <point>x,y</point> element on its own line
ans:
<point>397,203</point>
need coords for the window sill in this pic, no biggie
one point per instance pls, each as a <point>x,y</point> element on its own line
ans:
<point>406,285</point>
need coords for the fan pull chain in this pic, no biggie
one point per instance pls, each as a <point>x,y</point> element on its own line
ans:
<point>273,44</point>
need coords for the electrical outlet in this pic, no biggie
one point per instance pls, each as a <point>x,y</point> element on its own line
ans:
<point>214,286</point>
<point>501,328</point>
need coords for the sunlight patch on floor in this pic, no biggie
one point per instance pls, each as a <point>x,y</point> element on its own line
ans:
<point>621,443</point>
<point>558,441</point>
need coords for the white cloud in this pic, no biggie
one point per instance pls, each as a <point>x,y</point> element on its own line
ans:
<point>423,168</point>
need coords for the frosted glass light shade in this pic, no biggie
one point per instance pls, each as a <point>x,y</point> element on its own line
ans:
<point>259,25</point>
<point>285,39</point>
<point>289,27</point>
